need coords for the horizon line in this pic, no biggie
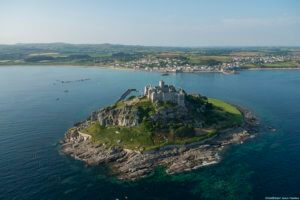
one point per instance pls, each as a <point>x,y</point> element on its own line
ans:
<point>140,45</point>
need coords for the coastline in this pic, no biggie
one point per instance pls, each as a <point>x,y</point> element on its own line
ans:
<point>68,65</point>
<point>142,70</point>
<point>131,164</point>
<point>275,68</point>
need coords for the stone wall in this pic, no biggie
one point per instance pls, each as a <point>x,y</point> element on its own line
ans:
<point>165,93</point>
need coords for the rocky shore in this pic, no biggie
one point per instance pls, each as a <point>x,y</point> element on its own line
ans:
<point>130,165</point>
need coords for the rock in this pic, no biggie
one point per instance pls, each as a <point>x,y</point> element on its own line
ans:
<point>133,164</point>
<point>123,116</point>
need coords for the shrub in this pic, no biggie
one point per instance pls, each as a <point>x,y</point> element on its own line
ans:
<point>185,131</point>
<point>196,101</point>
<point>131,97</point>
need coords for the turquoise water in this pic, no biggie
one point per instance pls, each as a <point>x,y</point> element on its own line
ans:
<point>35,111</point>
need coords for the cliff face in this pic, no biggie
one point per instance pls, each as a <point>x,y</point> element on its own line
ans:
<point>124,116</point>
<point>178,114</point>
<point>130,115</point>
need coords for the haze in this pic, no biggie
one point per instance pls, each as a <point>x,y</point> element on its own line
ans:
<point>155,22</point>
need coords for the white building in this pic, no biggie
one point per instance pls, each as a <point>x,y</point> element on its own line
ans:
<point>165,93</point>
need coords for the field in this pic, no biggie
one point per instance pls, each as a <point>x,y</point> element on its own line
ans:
<point>225,106</point>
<point>207,60</point>
<point>138,138</point>
<point>287,64</point>
<point>132,138</point>
<point>232,115</point>
<point>106,55</point>
<point>282,65</point>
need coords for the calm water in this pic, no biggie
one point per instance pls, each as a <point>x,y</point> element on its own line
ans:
<point>35,111</point>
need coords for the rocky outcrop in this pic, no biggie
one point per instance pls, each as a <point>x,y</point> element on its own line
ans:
<point>168,114</point>
<point>130,165</point>
<point>176,113</point>
<point>123,116</point>
<point>130,113</point>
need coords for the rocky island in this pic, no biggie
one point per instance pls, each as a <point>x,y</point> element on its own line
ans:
<point>163,127</point>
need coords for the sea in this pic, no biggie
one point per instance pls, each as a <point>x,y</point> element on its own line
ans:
<point>39,103</point>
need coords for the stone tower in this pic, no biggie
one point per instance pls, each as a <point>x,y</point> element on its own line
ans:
<point>161,84</point>
<point>165,93</point>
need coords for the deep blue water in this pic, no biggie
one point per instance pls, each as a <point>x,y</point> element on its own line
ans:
<point>33,120</point>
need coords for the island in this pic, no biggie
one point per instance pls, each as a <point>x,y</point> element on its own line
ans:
<point>163,127</point>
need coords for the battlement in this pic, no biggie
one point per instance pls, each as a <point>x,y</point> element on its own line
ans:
<point>165,93</point>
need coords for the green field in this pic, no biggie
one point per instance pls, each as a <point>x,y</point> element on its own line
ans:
<point>225,106</point>
<point>206,60</point>
<point>138,138</point>
<point>232,115</point>
<point>286,64</point>
<point>107,55</point>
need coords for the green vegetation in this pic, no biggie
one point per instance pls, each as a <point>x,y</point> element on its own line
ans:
<point>219,115</point>
<point>145,108</point>
<point>208,60</point>
<point>120,55</point>
<point>167,104</point>
<point>224,115</point>
<point>141,137</point>
<point>131,138</point>
<point>224,106</point>
<point>288,64</point>
<point>285,64</point>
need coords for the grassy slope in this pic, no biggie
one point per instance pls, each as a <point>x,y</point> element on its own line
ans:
<point>131,138</point>
<point>200,59</point>
<point>225,106</point>
<point>230,112</point>
<point>141,137</point>
<point>286,64</point>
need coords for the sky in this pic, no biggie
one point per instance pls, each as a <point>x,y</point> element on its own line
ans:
<point>152,22</point>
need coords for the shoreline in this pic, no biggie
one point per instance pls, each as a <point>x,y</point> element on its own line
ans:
<point>130,165</point>
<point>69,65</point>
<point>142,70</point>
<point>278,68</point>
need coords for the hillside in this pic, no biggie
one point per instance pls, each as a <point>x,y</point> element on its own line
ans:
<point>159,124</point>
<point>144,57</point>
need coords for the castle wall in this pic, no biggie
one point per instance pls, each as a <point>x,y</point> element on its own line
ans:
<point>164,93</point>
<point>170,96</point>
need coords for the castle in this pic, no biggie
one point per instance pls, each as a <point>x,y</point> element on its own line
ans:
<point>165,93</point>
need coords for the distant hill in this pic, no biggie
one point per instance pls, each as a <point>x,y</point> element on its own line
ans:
<point>102,54</point>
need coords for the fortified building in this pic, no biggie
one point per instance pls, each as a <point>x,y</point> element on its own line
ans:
<point>165,93</point>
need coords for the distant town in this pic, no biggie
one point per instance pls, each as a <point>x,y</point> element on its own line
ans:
<point>226,60</point>
<point>167,65</point>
